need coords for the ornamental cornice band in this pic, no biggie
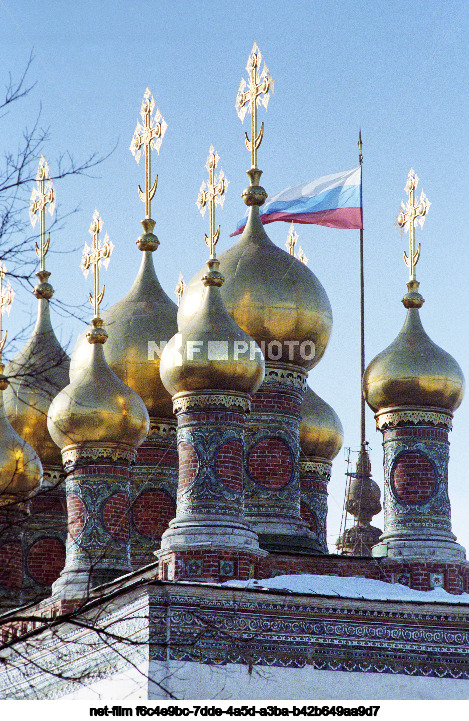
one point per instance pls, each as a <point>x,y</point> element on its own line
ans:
<point>388,418</point>
<point>52,477</point>
<point>73,454</point>
<point>183,402</point>
<point>283,375</point>
<point>163,429</point>
<point>317,468</point>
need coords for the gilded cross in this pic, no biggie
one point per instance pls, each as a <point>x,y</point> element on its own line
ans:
<point>148,134</point>
<point>291,240</point>
<point>98,254</point>
<point>302,256</point>
<point>6,299</point>
<point>179,290</point>
<point>252,94</point>
<point>410,215</point>
<point>43,195</point>
<point>212,194</point>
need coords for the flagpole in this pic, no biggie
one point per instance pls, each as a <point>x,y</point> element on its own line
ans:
<point>362,305</point>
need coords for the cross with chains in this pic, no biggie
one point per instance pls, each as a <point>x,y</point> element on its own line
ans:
<point>93,257</point>
<point>43,195</point>
<point>252,94</point>
<point>148,134</point>
<point>410,215</point>
<point>212,194</point>
<point>6,299</point>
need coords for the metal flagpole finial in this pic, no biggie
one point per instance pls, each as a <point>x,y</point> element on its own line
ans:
<point>43,195</point>
<point>211,194</point>
<point>250,95</point>
<point>412,213</point>
<point>360,147</point>
<point>291,240</point>
<point>6,299</point>
<point>148,134</point>
<point>179,290</point>
<point>95,256</point>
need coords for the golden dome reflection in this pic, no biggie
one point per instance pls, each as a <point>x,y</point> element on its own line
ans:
<point>413,371</point>
<point>20,467</point>
<point>270,295</point>
<point>97,407</point>
<point>321,432</point>
<point>145,315</point>
<point>36,374</point>
<point>212,351</point>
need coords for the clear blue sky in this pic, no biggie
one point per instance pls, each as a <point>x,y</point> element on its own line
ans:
<point>396,69</point>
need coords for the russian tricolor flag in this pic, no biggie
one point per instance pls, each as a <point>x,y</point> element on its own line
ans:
<point>334,200</point>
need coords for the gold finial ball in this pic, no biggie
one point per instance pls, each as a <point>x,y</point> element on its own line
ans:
<point>20,467</point>
<point>211,352</point>
<point>148,240</point>
<point>321,432</point>
<point>97,407</point>
<point>97,334</point>
<point>413,371</point>
<point>43,290</point>
<point>254,194</point>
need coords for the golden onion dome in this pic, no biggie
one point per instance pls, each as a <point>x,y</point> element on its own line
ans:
<point>413,371</point>
<point>97,407</point>
<point>36,374</point>
<point>271,295</point>
<point>20,467</point>
<point>321,432</point>
<point>146,315</point>
<point>212,352</point>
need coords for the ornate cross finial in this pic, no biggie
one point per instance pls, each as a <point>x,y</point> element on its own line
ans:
<point>250,96</point>
<point>179,290</point>
<point>291,240</point>
<point>95,256</point>
<point>301,256</point>
<point>43,195</point>
<point>6,299</point>
<point>211,194</point>
<point>148,134</point>
<point>410,215</point>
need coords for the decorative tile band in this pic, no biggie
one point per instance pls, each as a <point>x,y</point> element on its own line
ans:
<point>390,417</point>
<point>183,402</point>
<point>81,453</point>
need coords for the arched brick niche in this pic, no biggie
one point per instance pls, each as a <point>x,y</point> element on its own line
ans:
<point>152,511</point>
<point>270,463</point>
<point>413,478</point>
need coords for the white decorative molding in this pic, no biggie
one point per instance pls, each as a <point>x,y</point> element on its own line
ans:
<point>317,468</point>
<point>76,453</point>
<point>183,402</point>
<point>284,375</point>
<point>389,417</point>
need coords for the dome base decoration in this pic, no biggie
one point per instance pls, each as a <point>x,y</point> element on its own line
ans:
<point>417,511</point>
<point>210,539</point>
<point>272,491</point>
<point>98,543</point>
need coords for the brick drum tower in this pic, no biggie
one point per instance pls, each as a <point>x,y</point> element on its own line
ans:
<point>281,304</point>
<point>98,422</point>
<point>413,387</point>
<point>139,326</point>
<point>212,367</point>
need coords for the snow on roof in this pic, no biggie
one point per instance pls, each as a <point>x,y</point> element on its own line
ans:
<point>350,587</point>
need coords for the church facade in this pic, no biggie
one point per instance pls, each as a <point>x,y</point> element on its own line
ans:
<point>164,535</point>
